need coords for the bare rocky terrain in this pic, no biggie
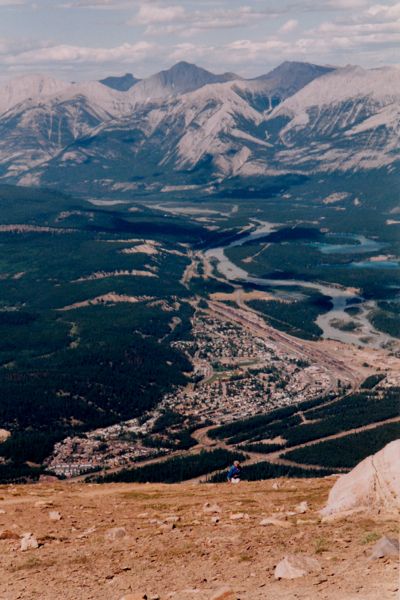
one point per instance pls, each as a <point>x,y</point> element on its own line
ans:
<point>106,542</point>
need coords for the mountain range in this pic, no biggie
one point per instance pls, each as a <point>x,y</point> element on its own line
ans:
<point>188,126</point>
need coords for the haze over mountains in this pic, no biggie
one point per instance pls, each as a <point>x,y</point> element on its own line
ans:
<point>188,126</point>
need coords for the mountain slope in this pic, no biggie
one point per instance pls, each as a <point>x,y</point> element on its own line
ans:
<point>179,541</point>
<point>37,129</point>
<point>180,79</point>
<point>290,77</point>
<point>121,83</point>
<point>208,133</point>
<point>33,87</point>
<point>178,127</point>
<point>344,120</point>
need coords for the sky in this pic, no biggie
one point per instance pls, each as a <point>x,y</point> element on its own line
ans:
<point>88,39</point>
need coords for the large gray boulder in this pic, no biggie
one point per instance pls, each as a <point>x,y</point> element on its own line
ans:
<point>372,486</point>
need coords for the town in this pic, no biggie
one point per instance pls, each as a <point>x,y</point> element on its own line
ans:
<point>237,373</point>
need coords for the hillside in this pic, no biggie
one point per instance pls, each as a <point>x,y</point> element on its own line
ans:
<point>186,542</point>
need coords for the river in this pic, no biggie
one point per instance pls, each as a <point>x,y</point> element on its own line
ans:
<point>364,335</point>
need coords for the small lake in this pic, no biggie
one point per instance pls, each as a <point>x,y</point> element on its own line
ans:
<point>360,245</point>
<point>378,264</point>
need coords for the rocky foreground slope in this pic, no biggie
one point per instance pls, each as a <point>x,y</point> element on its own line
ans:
<point>189,541</point>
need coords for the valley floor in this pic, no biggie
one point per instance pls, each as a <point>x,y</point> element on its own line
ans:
<point>170,546</point>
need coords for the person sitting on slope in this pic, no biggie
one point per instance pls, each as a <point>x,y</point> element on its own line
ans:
<point>234,472</point>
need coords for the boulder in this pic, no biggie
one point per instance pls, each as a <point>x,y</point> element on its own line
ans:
<point>296,565</point>
<point>116,533</point>
<point>373,485</point>
<point>28,542</point>
<point>386,547</point>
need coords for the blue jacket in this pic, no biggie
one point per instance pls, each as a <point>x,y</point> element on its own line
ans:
<point>233,472</point>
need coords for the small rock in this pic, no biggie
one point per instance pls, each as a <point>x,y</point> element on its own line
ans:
<point>2,512</point>
<point>224,593</point>
<point>43,504</point>
<point>168,526</point>
<point>143,515</point>
<point>306,521</point>
<point>173,519</point>
<point>54,515</point>
<point>276,522</point>
<point>116,533</point>
<point>135,596</point>
<point>85,533</point>
<point>385,547</point>
<point>211,508</point>
<point>296,565</point>
<point>215,520</point>
<point>238,516</point>
<point>28,542</point>
<point>6,534</point>
<point>302,507</point>
<point>275,486</point>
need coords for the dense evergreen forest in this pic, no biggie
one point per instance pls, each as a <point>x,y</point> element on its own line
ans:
<point>175,470</point>
<point>93,299</point>
<point>347,451</point>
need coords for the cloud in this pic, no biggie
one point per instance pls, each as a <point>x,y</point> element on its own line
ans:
<point>77,54</point>
<point>169,19</point>
<point>385,12</point>
<point>333,5</point>
<point>289,26</point>
<point>149,15</point>
<point>372,32</point>
<point>9,47</point>
<point>99,4</point>
<point>12,2</point>
<point>346,4</point>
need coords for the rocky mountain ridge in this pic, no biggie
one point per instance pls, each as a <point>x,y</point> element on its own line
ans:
<point>188,126</point>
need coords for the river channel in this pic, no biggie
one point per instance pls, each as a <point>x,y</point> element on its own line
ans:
<point>364,334</point>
